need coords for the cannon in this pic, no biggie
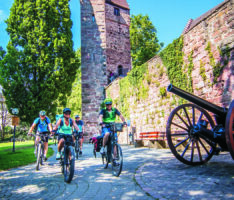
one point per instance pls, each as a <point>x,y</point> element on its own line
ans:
<point>195,132</point>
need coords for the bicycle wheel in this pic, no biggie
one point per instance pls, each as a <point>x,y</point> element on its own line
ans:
<point>62,161</point>
<point>77,149</point>
<point>94,153</point>
<point>69,164</point>
<point>38,156</point>
<point>42,154</point>
<point>117,160</point>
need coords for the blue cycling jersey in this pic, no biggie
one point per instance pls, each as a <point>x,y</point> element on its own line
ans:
<point>42,125</point>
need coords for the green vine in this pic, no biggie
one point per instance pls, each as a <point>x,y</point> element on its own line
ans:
<point>218,67</point>
<point>202,71</point>
<point>172,57</point>
<point>163,92</point>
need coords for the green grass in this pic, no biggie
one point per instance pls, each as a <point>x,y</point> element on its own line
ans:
<point>23,155</point>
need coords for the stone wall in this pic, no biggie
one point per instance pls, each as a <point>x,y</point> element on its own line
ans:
<point>117,40</point>
<point>214,29</point>
<point>93,60</point>
<point>105,46</point>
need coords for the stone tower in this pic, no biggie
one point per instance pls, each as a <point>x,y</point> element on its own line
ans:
<point>105,48</point>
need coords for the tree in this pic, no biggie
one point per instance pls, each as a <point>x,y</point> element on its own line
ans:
<point>5,117</point>
<point>74,101</point>
<point>143,39</point>
<point>40,64</point>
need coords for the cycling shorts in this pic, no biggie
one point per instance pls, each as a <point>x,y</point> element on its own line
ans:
<point>80,135</point>
<point>44,133</point>
<point>107,130</point>
<point>60,136</point>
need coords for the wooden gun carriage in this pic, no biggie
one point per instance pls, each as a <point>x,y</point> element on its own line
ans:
<point>192,135</point>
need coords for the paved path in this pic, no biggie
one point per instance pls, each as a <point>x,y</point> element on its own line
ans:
<point>147,174</point>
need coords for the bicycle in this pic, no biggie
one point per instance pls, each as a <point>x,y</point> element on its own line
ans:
<point>67,160</point>
<point>113,152</point>
<point>77,144</point>
<point>40,148</point>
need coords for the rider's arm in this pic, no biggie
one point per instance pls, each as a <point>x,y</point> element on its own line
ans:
<point>57,124</point>
<point>100,118</point>
<point>75,125</point>
<point>50,127</point>
<point>31,129</point>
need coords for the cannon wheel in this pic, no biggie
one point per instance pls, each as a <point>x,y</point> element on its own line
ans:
<point>187,145</point>
<point>229,129</point>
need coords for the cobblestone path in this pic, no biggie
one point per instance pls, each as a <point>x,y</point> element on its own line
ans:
<point>147,174</point>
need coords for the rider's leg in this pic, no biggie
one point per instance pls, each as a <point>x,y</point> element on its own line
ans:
<point>45,148</point>
<point>105,139</point>
<point>81,142</point>
<point>60,146</point>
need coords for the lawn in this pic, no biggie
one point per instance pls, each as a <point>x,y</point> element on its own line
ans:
<point>23,155</point>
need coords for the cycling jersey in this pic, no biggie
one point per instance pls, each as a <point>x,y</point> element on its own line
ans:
<point>42,124</point>
<point>79,124</point>
<point>64,129</point>
<point>109,116</point>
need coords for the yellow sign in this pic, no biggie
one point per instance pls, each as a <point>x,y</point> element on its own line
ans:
<point>15,120</point>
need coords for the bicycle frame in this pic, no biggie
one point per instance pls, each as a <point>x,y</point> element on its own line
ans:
<point>64,161</point>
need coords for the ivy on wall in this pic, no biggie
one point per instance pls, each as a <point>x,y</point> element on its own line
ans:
<point>224,59</point>
<point>172,57</point>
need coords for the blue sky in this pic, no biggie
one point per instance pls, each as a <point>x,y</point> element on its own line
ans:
<point>168,16</point>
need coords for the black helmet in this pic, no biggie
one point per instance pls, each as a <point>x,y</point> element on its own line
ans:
<point>67,110</point>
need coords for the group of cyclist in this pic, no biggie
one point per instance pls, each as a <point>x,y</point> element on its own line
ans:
<point>67,125</point>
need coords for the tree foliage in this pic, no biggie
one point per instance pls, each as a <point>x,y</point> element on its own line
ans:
<point>40,64</point>
<point>74,101</point>
<point>143,39</point>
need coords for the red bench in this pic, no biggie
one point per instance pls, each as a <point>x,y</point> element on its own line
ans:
<point>158,136</point>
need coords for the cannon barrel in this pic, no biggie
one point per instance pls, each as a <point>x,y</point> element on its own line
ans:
<point>198,101</point>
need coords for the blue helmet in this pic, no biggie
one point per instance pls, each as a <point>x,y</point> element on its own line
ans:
<point>77,116</point>
<point>67,110</point>
<point>42,113</point>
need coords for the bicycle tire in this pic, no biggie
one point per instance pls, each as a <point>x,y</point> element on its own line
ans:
<point>38,156</point>
<point>62,161</point>
<point>69,165</point>
<point>117,161</point>
<point>77,149</point>
<point>42,154</point>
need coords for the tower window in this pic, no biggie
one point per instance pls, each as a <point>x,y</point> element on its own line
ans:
<point>120,70</point>
<point>116,11</point>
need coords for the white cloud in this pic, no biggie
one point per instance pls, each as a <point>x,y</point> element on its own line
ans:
<point>3,16</point>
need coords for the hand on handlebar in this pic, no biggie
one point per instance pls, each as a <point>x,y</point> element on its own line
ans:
<point>125,124</point>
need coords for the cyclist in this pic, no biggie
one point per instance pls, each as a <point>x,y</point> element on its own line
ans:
<point>80,125</point>
<point>42,123</point>
<point>106,116</point>
<point>66,125</point>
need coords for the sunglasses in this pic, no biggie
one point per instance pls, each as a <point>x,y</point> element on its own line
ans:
<point>67,113</point>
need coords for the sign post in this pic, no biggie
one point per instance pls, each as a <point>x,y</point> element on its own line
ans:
<point>15,122</point>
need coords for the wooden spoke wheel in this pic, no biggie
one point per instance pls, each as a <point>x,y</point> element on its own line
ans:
<point>229,129</point>
<point>186,141</point>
